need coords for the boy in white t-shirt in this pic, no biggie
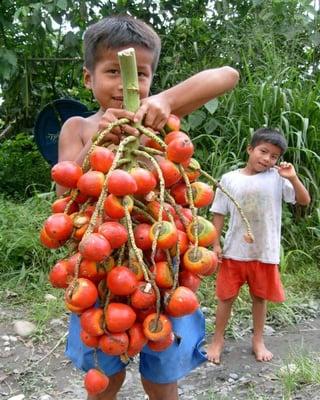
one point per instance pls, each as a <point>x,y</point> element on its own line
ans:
<point>259,188</point>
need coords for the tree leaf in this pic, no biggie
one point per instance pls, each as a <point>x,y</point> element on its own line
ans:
<point>212,106</point>
<point>210,125</point>
<point>63,4</point>
<point>196,118</point>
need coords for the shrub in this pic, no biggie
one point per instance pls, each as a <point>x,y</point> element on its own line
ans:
<point>22,168</point>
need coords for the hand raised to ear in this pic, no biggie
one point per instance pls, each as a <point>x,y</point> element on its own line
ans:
<point>286,170</point>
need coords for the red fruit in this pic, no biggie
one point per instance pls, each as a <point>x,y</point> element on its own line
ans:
<point>153,208</point>
<point>173,123</point>
<point>122,281</point>
<point>89,270</point>
<point>119,317</point>
<point>168,234</point>
<point>95,382</point>
<point>180,150</point>
<point>202,194</point>
<point>95,247</point>
<point>144,296</point>
<point>114,232</point>
<point>59,275</point>
<point>148,142</point>
<point>101,159</point>
<point>207,232</point>
<point>137,340</point>
<point>179,193</point>
<point>198,262</point>
<point>145,180</point>
<point>91,321</point>
<point>89,340</point>
<point>114,344</point>
<point>193,170</point>
<point>157,329</point>
<point>183,244</point>
<point>142,314</point>
<point>121,183</point>
<point>163,275</point>
<point>163,344</point>
<point>48,242</point>
<point>81,198</point>
<point>66,173</point>
<point>114,206</point>
<point>170,171</point>
<point>189,280</point>
<point>142,236</point>
<point>91,183</point>
<point>82,293</point>
<point>213,266</point>
<point>58,226</point>
<point>182,302</point>
<point>175,135</point>
<point>59,205</point>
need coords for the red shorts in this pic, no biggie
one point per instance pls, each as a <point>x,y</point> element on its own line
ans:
<point>263,279</point>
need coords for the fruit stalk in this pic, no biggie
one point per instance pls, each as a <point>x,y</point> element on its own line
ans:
<point>129,76</point>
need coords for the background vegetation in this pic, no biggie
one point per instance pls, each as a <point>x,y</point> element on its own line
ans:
<point>275,45</point>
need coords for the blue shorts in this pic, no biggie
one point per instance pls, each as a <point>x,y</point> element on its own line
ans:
<point>159,367</point>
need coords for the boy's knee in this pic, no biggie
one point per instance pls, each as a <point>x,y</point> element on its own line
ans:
<point>157,391</point>
<point>257,299</point>
<point>228,301</point>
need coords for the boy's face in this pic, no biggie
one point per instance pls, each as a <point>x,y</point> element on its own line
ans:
<point>105,79</point>
<point>263,156</point>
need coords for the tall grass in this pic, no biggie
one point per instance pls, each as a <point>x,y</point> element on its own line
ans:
<point>23,259</point>
<point>295,110</point>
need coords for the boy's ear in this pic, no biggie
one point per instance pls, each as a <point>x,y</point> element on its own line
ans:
<point>249,149</point>
<point>86,78</point>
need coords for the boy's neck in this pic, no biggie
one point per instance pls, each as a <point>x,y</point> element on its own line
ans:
<point>248,170</point>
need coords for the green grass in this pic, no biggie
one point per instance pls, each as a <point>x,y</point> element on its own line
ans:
<point>25,263</point>
<point>301,371</point>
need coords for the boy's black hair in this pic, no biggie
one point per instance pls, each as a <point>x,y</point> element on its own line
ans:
<point>269,135</point>
<point>119,31</point>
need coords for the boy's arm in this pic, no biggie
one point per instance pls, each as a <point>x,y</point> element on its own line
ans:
<point>187,96</point>
<point>287,170</point>
<point>218,222</point>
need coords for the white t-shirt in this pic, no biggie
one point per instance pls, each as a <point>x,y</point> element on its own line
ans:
<point>260,197</point>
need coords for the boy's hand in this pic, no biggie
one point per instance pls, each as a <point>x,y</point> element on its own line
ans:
<point>286,170</point>
<point>153,112</point>
<point>111,115</point>
<point>218,250</point>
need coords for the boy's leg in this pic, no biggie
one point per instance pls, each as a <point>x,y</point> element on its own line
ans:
<point>222,317</point>
<point>115,383</point>
<point>160,391</point>
<point>259,312</point>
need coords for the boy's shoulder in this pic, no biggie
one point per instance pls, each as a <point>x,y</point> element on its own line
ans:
<point>80,126</point>
<point>230,174</point>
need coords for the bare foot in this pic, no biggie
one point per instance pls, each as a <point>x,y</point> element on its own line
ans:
<point>215,349</point>
<point>260,351</point>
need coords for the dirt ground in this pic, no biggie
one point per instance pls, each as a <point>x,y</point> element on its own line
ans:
<point>37,369</point>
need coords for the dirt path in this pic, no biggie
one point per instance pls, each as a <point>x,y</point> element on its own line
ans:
<point>37,369</point>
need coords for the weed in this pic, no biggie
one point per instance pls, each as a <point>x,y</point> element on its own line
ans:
<point>301,370</point>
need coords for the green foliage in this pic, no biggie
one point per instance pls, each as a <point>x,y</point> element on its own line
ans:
<point>301,370</point>
<point>20,246</point>
<point>22,168</point>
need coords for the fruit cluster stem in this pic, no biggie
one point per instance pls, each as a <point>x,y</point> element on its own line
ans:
<point>216,184</point>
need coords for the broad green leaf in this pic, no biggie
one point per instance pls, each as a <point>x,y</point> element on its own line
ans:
<point>210,125</point>
<point>212,106</point>
<point>196,118</point>
<point>63,4</point>
<point>70,39</point>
